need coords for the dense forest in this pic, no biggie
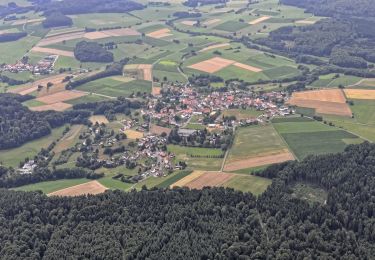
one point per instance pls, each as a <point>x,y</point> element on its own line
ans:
<point>9,37</point>
<point>19,125</point>
<point>212,223</point>
<point>365,8</point>
<point>348,43</point>
<point>92,52</point>
<point>57,19</point>
<point>87,6</point>
<point>347,38</point>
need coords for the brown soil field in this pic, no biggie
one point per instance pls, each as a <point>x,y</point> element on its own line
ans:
<point>329,95</point>
<point>194,175</point>
<point>247,67</point>
<point>96,35</point>
<point>158,130</point>
<point>323,107</point>
<point>215,46</point>
<point>305,22</point>
<point>209,179</point>
<point>156,91</point>
<point>142,71</point>
<point>160,33</point>
<point>60,96</point>
<point>91,187</point>
<point>122,32</point>
<point>259,20</point>
<point>31,87</point>
<point>147,71</point>
<point>56,106</point>
<point>98,118</point>
<point>61,38</point>
<point>259,161</point>
<point>212,21</point>
<point>67,140</point>
<point>133,134</point>
<point>19,22</point>
<point>212,65</point>
<point>360,93</point>
<point>52,51</point>
<point>189,23</point>
<point>49,91</point>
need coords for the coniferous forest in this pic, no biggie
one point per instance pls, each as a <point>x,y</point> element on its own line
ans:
<point>212,223</point>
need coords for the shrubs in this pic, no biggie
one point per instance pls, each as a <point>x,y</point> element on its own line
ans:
<point>92,52</point>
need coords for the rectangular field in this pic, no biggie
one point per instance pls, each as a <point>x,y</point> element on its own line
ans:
<point>51,186</point>
<point>60,97</point>
<point>255,146</point>
<point>360,94</point>
<point>314,138</point>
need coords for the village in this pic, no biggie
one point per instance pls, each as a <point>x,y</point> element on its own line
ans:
<point>44,66</point>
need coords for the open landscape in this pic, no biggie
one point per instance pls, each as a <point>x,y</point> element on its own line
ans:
<point>187,129</point>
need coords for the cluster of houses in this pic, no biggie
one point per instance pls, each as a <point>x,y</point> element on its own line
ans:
<point>44,66</point>
<point>184,102</point>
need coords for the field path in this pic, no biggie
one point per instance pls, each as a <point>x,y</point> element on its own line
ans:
<point>93,93</point>
<point>286,144</point>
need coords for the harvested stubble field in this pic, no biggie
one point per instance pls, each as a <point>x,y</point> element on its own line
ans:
<point>360,93</point>
<point>215,46</point>
<point>326,101</point>
<point>60,96</point>
<point>211,22</point>
<point>52,51</point>
<point>160,33</point>
<point>60,38</point>
<point>60,106</point>
<point>209,179</point>
<point>98,118</point>
<point>31,87</point>
<point>92,187</point>
<point>260,160</point>
<point>215,64</point>
<point>259,20</point>
<point>188,23</point>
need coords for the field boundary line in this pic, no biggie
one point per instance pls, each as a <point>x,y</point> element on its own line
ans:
<point>285,142</point>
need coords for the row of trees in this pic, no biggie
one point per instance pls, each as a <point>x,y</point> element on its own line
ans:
<point>57,19</point>
<point>215,223</point>
<point>9,37</point>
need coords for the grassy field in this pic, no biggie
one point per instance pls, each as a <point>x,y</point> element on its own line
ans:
<point>115,88</point>
<point>363,123</point>
<point>307,138</point>
<point>331,80</point>
<point>51,186</point>
<point>253,141</point>
<point>13,157</point>
<point>242,113</point>
<point>198,163</point>
<point>248,183</point>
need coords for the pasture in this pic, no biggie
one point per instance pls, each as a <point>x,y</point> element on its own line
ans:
<point>198,158</point>
<point>115,88</point>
